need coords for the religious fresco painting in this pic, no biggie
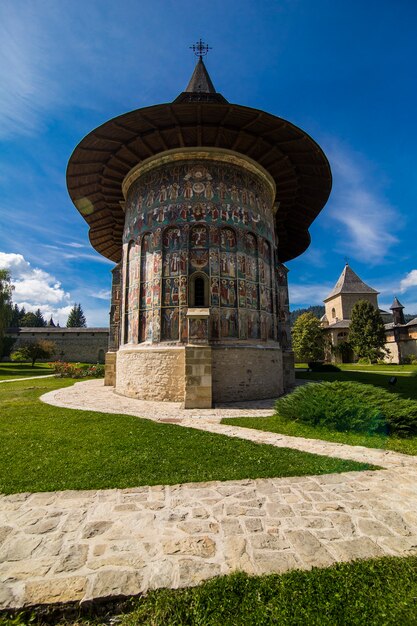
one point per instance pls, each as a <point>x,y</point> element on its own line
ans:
<point>210,220</point>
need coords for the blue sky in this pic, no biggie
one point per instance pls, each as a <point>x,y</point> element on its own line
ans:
<point>345,72</point>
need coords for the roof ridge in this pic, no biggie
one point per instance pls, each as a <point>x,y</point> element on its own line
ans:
<point>349,282</point>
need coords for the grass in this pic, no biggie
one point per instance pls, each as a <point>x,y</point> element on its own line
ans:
<point>386,367</point>
<point>406,387</point>
<point>46,448</point>
<point>21,370</point>
<point>376,592</point>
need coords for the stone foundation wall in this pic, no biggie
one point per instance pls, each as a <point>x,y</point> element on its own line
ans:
<point>87,345</point>
<point>246,373</point>
<point>110,369</point>
<point>288,370</point>
<point>151,373</point>
<point>198,377</point>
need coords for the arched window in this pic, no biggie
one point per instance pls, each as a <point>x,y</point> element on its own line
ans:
<point>333,312</point>
<point>199,290</point>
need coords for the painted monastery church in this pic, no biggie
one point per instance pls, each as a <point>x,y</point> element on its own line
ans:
<point>401,337</point>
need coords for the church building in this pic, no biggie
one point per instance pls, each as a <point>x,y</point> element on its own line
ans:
<point>199,203</point>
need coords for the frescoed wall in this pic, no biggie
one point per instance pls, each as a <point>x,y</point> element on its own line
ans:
<point>207,219</point>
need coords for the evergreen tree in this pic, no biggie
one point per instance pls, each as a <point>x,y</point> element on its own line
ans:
<point>76,318</point>
<point>29,320</point>
<point>6,289</point>
<point>15,317</point>
<point>40,318</point>
<point>366,331</point>
<point>308,338</point>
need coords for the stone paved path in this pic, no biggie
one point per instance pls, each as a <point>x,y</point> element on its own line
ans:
<point>71,545</point>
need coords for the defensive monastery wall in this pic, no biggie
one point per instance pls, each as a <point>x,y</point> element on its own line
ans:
<point>85,345</point>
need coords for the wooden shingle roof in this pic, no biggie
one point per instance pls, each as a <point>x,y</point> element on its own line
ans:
<point>102,159</point>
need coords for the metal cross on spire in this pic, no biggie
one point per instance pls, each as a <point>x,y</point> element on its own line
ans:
<point>200,48</point>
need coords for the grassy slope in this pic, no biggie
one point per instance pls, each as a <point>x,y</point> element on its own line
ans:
<point>21,370</point>
<point>45,448</point>
<point>377,592</point>
<point>406,387</point>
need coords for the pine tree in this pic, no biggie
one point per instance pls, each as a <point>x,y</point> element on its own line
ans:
<point>6,289</point>
<point>15,318</point>
<point>29,320</point>
<point>308,338</point>
<point>76,318</point>
<point>366,331</point>
<point>40,318</point>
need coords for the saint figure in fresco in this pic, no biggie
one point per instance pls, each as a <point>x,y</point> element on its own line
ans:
<point>234,194</point>
<point>174,264</point>
<point>163,193</point>
<point>188,190</point>
<point>209,193</point>
<point>173,191</point>
<point>222,191</point>
<point>151,198</point>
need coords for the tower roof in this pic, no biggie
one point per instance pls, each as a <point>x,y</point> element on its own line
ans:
<point>198,117</point>
<point>200,88</point>
<point>349,282</point>
<point>396,304</point>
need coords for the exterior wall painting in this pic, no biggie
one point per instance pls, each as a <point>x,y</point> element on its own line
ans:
<point>214,219</point>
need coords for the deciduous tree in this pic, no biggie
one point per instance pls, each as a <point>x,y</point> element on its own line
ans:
<point>34,350</point>
<point>366,331</point>
<point>308,338</point>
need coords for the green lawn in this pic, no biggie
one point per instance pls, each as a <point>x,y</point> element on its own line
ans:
<point>406,387</point>
<point>376,592</point>
<point>21,370</point>
<point>379,368</point>
<point>45,448</point>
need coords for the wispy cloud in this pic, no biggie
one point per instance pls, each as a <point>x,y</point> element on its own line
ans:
<point>409,281</point>
<point>309,294</point>
<point>367,221</point>
<point>103,294</point>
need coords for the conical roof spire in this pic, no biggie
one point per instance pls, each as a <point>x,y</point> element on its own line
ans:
<point>396,304</point>
<point>349,282</point>
<point>200,87</point>
<point>200,81</point>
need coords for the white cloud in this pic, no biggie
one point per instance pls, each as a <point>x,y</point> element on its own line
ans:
<point>409,281</point>
<point>74,244</point>
<point>103,294</point>
<point>308,294</point>
<point>366,218</point>
<point>34,288</point>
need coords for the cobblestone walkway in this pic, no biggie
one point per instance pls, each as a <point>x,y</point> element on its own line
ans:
<point>62,546</point>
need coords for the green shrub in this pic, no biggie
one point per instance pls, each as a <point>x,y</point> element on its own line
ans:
<point>323,367</point>
<point>77,370</point>
<point>350,406</point>
<point>410,359</point>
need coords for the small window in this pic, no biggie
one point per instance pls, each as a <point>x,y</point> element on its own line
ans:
<point>199,291</point>
<point>333,313</point>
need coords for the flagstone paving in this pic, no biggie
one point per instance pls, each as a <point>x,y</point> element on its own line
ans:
<point>82,545</point>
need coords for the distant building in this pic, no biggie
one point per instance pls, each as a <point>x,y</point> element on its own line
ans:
<point>401,336</point>
<point>348,290</point>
